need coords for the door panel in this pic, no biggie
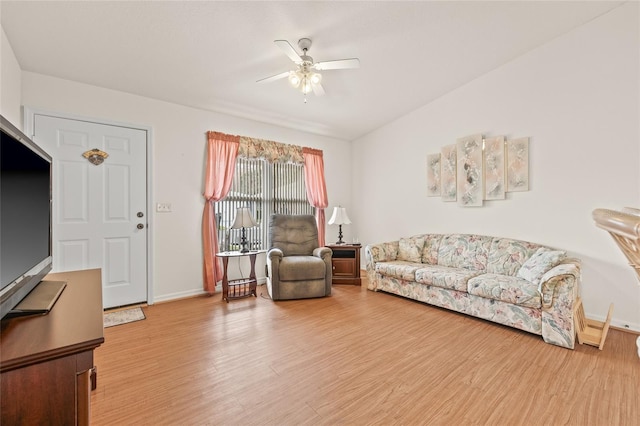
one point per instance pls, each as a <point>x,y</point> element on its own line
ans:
<point>95,206</point>
<point>72,255</point>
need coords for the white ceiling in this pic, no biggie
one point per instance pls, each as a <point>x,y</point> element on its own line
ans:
<point>209,54</point>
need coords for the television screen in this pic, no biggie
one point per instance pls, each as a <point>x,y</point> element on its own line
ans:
<point>25,216</point>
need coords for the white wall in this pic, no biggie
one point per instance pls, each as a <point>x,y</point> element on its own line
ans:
<point>10,83</point>
<point>577,98</point>
<point>179,144</point>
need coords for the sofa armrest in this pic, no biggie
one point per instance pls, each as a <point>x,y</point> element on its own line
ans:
<point>380,252</point>
<point>568,272</point>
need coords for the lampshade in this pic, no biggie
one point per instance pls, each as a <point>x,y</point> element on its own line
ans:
<point>339,217</point>
<point>243,219</point>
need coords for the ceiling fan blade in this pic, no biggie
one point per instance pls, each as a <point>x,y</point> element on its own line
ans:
<point>288,50</point>
<point>273,77</point>
<point>338,64</point>
<point>318,90</point>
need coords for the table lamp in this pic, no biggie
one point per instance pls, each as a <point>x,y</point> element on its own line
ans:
<point>243,220</point>
<point>339,217</point>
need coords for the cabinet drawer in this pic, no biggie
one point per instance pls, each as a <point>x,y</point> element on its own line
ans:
<point>344,254</point>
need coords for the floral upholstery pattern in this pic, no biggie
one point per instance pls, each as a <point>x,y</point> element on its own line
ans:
<point>445,277</point>
<point>506,256</point>
<point>382,252</point>
<point>568,271</point>
<point>399,269</point>
<point>506,289</point>
<point>464,251</point>
<point>484,284</point>
<point>430,249</point>
<point>410,249</point>
<point>520,317</point>
<point>542,261</point>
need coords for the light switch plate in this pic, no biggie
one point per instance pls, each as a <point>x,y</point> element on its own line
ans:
<point>163,207</point>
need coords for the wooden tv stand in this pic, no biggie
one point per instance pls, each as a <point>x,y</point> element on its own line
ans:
<point>46,361</point>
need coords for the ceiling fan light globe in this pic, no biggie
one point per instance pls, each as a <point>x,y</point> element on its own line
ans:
<point>316,78</point>
<point>294,79</point>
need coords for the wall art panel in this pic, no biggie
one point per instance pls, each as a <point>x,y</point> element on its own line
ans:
<point>433,175</point>
<point>494,176</point>
<point>448,172</point>
<point>518,165</point>
<point>470,171</point>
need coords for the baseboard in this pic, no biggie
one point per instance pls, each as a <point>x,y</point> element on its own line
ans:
<point>617,324</point>
<point>194,293</point>
<point>179,295</point>
<point>626,330</point>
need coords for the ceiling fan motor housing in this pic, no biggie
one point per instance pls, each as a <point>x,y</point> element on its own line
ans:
<point>304,44</point>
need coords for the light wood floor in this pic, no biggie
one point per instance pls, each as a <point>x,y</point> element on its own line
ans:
<point>355,358</point>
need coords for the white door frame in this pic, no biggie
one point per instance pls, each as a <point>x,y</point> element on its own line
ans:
<point>29,114</point>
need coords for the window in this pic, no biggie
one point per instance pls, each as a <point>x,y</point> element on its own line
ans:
<point>265,188</point>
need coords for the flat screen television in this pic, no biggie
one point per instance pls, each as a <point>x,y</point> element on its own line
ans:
<point>25,216</point>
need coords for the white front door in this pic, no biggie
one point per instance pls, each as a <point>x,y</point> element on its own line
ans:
<point>99,211</point>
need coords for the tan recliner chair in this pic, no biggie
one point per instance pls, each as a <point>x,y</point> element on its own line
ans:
<point>296,267</point>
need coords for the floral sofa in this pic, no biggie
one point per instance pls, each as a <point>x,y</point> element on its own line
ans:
<point>516,283</point>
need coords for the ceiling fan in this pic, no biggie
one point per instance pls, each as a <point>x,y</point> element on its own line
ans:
<point>305,77</point>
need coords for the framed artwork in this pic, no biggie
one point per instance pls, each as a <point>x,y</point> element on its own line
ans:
<point>433,175</point>
<point>494,176</point>
<point>470,176</point>
<point>448,173</point>
<point>518,165</point>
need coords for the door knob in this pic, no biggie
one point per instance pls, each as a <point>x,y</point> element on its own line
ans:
<point>140,226</point>
<point>140,214</point>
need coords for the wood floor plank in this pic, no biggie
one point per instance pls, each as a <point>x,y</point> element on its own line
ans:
<point>355,358</point>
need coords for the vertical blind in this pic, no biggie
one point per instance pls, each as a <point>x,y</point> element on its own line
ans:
<point>264,188</point>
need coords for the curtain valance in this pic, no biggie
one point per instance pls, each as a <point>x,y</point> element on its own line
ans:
<point>273,152</point>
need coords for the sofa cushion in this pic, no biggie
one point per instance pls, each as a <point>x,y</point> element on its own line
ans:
<point>398,269</point>
<point>294,268</point>
<point>445,277</point>
<point>430,249</point>
<point>506,256</point>
<point>464,251</point>
<point>410,249</point>
<point>512,290</point>
<point>537,265</point>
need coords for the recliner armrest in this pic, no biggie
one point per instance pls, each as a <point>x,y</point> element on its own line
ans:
<point>274,257</point>
<point>323,253</point>
<point>275,253</point>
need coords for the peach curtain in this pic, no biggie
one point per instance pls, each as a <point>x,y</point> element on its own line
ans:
<point>316,187</point>
<point>222,151</point>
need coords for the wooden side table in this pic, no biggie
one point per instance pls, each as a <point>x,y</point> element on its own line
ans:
<point>346,264</point>
<point>236,289</point>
